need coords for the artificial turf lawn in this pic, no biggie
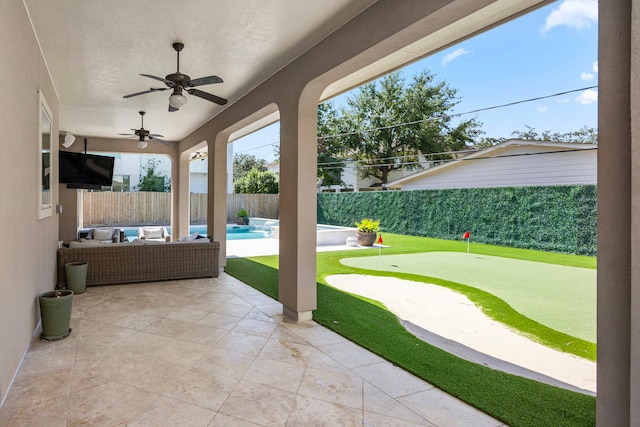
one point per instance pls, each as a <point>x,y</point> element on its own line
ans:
<point>514,400</point>
<point>558,296</point>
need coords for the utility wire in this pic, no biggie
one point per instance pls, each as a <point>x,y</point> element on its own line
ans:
<point>510,104</point>
<point>371,165</point>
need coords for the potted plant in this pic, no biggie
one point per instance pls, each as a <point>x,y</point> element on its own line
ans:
<point>243,217</point>
<point>367,230</point>
<point>55,312</point>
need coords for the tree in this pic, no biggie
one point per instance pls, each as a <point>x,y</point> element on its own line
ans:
<point>152,179</point>
<point>243,163</point>
<point>257,182</point>
<point>329,166</point>
<point>584,135</point>
<point>379,140</point>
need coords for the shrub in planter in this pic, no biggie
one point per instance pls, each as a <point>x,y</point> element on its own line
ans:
<point>367,231</point>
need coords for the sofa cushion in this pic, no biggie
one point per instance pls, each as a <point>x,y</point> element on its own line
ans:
<point>102,233</point>
<point>152,232</point>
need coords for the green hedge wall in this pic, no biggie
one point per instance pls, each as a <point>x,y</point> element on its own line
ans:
<point>549,218</point>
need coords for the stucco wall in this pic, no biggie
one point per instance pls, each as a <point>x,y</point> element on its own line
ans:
<point>27,257</point>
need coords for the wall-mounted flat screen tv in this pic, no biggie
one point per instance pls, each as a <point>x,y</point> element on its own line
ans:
<point>91,171</point>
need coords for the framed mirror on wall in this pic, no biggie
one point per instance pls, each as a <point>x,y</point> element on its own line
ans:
<point>45,159</point>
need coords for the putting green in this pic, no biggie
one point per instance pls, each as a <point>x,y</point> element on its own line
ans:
<point>560,297</point>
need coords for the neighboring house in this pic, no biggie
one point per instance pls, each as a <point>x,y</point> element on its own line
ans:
<point>513,163</point>
<point>353,181</point>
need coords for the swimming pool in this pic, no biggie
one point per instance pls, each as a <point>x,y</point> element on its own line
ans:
<point>234,232</point>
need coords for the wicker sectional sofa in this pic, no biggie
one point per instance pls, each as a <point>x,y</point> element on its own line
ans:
<point>131,263</point>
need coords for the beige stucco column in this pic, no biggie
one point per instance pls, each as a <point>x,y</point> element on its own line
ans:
<point>298,192</point>
<point>217,193</point>
<point>618,401</point>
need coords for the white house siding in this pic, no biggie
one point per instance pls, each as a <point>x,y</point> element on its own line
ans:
<point>560,168</point>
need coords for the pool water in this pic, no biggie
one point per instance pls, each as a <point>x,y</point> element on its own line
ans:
<point>234,232</point>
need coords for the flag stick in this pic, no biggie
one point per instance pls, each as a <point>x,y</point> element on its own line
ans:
<point>379,254</point>
<point>468,244</point>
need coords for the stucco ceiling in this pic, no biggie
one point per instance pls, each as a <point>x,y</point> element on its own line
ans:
<point>96,51</point>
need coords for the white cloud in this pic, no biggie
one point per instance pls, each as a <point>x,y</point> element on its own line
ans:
<point>543,108</point>
<point>586,76</point>
<point>594,66</point>
<point>573,14</point>
<point>588,97</point>
<point>453,55</point>
<point>563,100</point>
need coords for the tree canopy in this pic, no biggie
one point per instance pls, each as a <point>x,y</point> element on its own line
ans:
<point>257,182</point>
<point>152,180</point>
<point>243,163</point>
<point>369,127</point>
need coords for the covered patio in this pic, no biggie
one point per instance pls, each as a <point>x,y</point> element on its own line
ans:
<point>355,42</point>
<point>213,352</point>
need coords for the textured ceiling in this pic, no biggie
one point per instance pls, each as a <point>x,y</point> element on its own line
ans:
<point>96,51</point>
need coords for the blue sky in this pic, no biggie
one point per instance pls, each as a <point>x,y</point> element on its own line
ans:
<point>549,51</point>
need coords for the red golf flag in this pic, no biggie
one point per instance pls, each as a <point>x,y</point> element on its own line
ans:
<point>379,240</point>
<point>466,235</point>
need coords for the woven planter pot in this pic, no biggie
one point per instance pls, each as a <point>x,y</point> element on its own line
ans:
<point>55,312</point>
<point>366,239</point>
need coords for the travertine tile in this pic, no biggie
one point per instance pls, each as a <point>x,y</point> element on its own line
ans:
<point>273,373</point>
<point>318,413</point>
<point>227,362</point>
<point>333,387</point>
<point>350,354</point>
<point>202,388</point>
<point>391,379</point>
<point>444,410</point>
<point>170,412</point>
<point>138,356</point>
<point>380,403</point>
<point>219,320</point>
<point>287,352</point>
<point>222,420</point>
<point>114,404</point>
<point>259,404</point>
<point>203,334</point>
<point>242,343</point>
<point>256,327</point>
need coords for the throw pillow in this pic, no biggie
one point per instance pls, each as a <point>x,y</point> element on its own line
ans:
<point>102,233</point>
<point>152,233</point>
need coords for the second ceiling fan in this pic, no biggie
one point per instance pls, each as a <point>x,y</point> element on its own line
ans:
<point>143,134</point>
<point>181,82</point>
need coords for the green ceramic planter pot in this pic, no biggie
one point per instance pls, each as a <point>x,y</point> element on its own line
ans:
<point>55,312</point>
<point>76,273</point>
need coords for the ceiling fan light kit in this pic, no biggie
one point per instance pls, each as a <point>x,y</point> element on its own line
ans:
<point>179,82</point>
<point>142,144</point>
<point>177,100</point>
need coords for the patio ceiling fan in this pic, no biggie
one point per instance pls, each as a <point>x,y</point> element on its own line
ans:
<point>181,82</point>
<point>144,135</point>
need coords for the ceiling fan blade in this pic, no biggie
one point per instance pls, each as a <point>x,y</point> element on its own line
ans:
<point>204,81</point>
<point>155,135</point>
<point>153,89</point>
<point>126,134</point>
<point>162,79</point>
<point>159,140</point>
<point>172,108</point>
<point>207,96</point>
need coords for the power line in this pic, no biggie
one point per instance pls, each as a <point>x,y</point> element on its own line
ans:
<point>510,104</point>
<point>374,165</point>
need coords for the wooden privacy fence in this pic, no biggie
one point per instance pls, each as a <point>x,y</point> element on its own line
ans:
<point>136,208</point>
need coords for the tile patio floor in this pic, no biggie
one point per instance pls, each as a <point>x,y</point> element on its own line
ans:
<point>213,352</point>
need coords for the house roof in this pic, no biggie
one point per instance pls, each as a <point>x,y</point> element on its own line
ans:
<point>497,150</point>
